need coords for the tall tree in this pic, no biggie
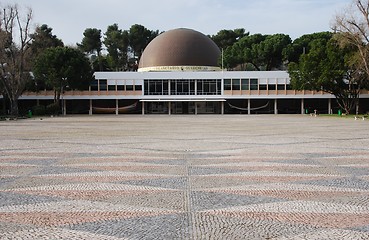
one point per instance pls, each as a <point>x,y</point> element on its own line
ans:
<point>270,51</point>
<point>301,45</point>
<point>226,38</point>
<point>326,67</point>
<point>61,67</point>
<point>91,43</point>
<point>116,42</point>
<point>15,53</point>
<point>353,26</point>
<point>139,38</point>
<point>42,39</point>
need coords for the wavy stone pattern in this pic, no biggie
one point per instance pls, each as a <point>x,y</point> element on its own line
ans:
<point>219,177</point>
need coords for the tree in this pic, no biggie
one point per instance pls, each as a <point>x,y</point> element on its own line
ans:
<point>270,51</point>
<point>139,38</point>
<point>258,52</point>
<point>42,39</point>
<point>301,45</point>
<point>63,67</point>
<point>326,68</point>
<point>15,53</point>
<point>91,43</point>
<point>244,53</point>
<point>116,42</point>
<point>226,38</point>
<point>353,26</point>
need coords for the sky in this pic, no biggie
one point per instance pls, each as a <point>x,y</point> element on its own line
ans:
<point>69,18</point>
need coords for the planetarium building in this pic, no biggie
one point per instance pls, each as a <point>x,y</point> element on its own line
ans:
<point>179,74</point>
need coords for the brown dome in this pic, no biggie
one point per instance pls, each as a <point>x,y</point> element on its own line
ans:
<point>180,49</point>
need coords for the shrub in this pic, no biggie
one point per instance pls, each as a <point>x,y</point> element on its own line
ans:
<point>52,109</point>
<point>39,110</point>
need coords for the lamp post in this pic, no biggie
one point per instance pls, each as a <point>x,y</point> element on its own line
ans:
<point>64,83</point>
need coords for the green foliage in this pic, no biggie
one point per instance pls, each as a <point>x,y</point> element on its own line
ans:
<point>139,38</point>
<point>226,38</point>
<point>53,108</point>
<point>301,45</point>
<point>116,42</point>
<point>257,52</point>
<point>43,39</point>
<point>91,41</point>
<point>61,67</point>
<point>325,67</point>
<point>39,110</point>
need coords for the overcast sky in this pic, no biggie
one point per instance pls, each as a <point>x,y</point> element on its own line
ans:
<point>69,18</point>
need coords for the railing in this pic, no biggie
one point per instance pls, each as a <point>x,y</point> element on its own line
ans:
<point>84,93</point>
<point>279,92</point>
<point>139,92</point>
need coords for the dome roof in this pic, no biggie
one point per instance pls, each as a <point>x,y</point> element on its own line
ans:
<point>180,50</point>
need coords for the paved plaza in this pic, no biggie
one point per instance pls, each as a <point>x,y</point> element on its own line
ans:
<point>184,177</point>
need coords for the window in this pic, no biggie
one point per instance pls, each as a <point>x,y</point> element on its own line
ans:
<point>103,84</point>
<point>227,84</point>
<point>245,84</point>
<point>209,87</point>
<point>271,87</point>
<point>154,87</point>
<point>281,87</point>
<point>236,84</point>
<point>111,87</point>
<point>120,87</point>
<point>94,85</point>
<point>262,87</point>
<point>254,84</point>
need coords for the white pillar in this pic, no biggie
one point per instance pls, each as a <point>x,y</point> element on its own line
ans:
<point>275,106</point>
<point>302,106</point>
<point>64,107</point>
<point>116,107</point>
<point>195,108</point>
<point>170,108</point>
<point>329,106</point>
<point>143,108</point>
<point>90,111</point>
<point>222,108</point>
<point>248,106</point>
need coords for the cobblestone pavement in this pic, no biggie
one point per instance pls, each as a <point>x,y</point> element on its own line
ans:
<point>184,177</point>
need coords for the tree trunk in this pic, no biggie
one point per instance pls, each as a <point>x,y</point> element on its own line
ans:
<point>14,111</point>
<point>347,104</point>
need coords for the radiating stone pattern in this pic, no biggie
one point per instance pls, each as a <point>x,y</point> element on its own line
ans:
<point>184,177</point>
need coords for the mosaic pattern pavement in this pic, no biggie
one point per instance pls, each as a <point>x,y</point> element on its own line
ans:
<point>184,177</point>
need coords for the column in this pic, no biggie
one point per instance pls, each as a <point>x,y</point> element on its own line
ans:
<point>195,108</point>
<point>143,108</point>
<point>64,110</point>
<point>248,106</point>
<point>116,107</point>
<point>170,108</point>
<point>275,106</point>
<point>90,111</point>
<point>302,106</point>
<point>330,106</point>
<point>222,108</point>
